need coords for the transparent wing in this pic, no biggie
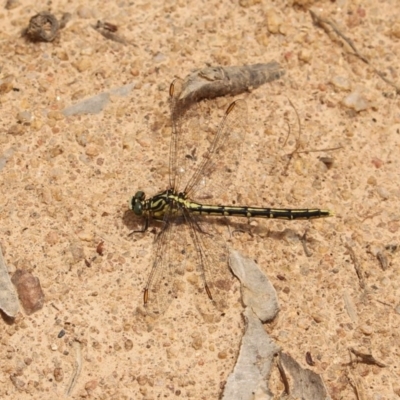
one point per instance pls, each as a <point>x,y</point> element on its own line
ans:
<point>203,159</point>
<point>168,265</point>
<point>193,245</point>
<point>211,261</point>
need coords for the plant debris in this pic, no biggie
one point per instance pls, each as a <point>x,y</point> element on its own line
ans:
<point>108,30</point>
<point>366,358</point>
<point>325,23</point>
<point>212,82</point>
<point>8,297</point>
<point>43,27</point>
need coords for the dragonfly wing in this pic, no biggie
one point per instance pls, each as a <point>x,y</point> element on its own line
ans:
<point>185,137</point>
<point>168,265</point>
<point>211,261</point>
<point>204,158</point>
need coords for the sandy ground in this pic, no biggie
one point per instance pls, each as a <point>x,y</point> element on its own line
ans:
<point>65,183</point>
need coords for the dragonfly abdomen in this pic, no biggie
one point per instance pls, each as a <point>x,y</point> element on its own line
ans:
<point>256,212</point>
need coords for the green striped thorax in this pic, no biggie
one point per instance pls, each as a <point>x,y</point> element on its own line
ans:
<point>156,206</point>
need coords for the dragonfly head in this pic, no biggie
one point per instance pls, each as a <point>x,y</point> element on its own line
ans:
<point>137,203</point>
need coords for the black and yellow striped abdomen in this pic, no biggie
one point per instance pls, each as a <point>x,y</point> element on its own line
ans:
<point>256,212</point>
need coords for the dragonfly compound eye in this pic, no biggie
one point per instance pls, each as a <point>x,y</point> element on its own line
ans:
<point>137,206</point>
<point>136,203</point>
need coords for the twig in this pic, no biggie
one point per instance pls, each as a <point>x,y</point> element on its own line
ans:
<point>296,150</point>
<point>319,150</point>
<point>323,24</point>
<point>366,358</point>
<point>357,266</point>
<point>357,385</point>
<point>77,368</point>
<point>303,240</point>
<point>284,378</point>
<point>290,155</point>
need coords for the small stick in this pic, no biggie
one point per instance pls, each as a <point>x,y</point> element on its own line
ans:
<point>284,378</point>
<point>319,150</point>
<point>290,155</point>
<point>357,385</point>
<point>357,266</point>
<point>77,367</point>
<point>296,150</point>
<point>381,256</point>
<point>366,358</point>
<point>303,240</point>
<point>323,22</point>
<point>309,359</point>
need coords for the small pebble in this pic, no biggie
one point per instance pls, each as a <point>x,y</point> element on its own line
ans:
<point>159,57</point>
<point>317,317</point>
<point>384,193</point>
<point>52,238</point>
<point>100,248</point>
<point>197,343</point>
<point>24,117</point>
<point>85,236</point>
<point>305,55</point>
<point>83,64</point>
<point>16,130</point>
<point>55,115</point>
<point>142,380</point>
<point>58,374</point>
<point>91,385</point>
<point>366,329</point>
<point>84,12</point>
<point>128,344</point>
<point>356,101</point>
<point>29,290</point>
<point>6,84</point>
<point>248,3</point>
<point>395,30</point>
<point>92,150</point>
<point>77,252</point>
<point>273,21</point>
<point>222,355</point>
<point>18,383</point>
<point>12,4</point>
<point>341,82</point>
<point>377,162</point>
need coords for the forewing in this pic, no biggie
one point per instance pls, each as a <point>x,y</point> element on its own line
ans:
<point>219,165</point>
<point>204,160</point>
<point>185,139</point>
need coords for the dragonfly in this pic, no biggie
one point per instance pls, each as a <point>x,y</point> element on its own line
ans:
<point>202,167</point>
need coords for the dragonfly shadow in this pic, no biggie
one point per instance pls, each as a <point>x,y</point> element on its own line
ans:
<point>131,221</point>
